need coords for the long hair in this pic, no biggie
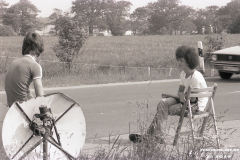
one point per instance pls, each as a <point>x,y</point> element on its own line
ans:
<point>189,54</point>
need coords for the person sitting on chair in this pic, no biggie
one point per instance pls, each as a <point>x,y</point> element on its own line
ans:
<point>25,70</point>
<point>188,61</point>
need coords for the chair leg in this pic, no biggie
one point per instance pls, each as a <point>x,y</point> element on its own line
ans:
<point>191,121</point>
<point>215,125</point>
<point>203,126</point>
<point>178,131</point>
<point>179,124</point>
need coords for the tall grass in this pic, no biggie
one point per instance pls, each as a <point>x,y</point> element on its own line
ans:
<point>110,59</point>
<point>126,52</point>
<point>150,149</point>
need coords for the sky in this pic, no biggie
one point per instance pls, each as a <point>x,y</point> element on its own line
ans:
<point>46,6</point>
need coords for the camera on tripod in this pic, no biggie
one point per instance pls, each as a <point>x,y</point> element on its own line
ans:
<point>48,127</point>
<point>46,122</point>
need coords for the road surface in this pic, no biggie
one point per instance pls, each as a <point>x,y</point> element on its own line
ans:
<point>118,108</point>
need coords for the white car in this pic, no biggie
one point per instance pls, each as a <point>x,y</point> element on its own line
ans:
<point>227,61</point>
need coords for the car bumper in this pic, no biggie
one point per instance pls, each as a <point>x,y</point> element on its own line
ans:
<point>227,67</point>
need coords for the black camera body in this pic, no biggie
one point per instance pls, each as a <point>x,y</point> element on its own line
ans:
<point>46,126</point>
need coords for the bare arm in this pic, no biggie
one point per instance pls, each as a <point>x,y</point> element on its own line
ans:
<point>181,93</point>
<point>38,87</point>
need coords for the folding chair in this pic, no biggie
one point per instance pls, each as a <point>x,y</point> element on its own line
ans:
<point>204,92</point>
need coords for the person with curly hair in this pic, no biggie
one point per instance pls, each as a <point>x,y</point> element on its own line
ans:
<point>188,60</point>
<point>25,70</point>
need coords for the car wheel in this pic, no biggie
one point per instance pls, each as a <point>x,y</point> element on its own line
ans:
<point>225,75</point>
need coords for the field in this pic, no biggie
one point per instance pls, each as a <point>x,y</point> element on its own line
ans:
<point>117,59</point>
<point>110,59</point>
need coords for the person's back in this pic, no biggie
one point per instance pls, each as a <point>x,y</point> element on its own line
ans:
<point>19,77</point>
<point>25,70</point>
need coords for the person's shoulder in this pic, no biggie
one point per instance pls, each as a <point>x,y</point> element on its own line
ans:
<point>17,61</point>
<point>197,74</point>
<point>183,74</point>
<point>34,64</point>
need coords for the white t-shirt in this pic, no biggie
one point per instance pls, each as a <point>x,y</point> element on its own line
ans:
<point>196,80</point>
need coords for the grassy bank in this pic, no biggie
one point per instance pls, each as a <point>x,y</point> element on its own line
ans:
<point>110,59</point>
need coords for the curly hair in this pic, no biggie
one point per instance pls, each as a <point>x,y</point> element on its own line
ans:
<point>32,42</point>
<point>189,54</point>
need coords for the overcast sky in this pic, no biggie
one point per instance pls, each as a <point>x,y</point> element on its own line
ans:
<point>46,6</point>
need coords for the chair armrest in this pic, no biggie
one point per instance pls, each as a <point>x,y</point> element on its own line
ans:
<point>170,96</point>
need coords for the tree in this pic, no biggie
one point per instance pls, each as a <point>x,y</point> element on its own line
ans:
<point>187,26</point>
<point>72,37</point>
<point>3,7</point>
<point>12,18</point>
<point>21,16</point>
<point>6,31</point>
<point>182,19</point>
<point>139,20</point>
<point>211,18</point>
<point>231,11</point>
<point>201,20</point>
<point>235,27</point>
<point>162,15</point>
<point>55,19</point>
<point>116,13</point>
<point>89,11</point>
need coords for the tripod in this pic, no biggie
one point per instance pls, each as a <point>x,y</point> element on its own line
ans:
<point>45,131</point>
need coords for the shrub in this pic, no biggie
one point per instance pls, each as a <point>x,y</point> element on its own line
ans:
<point>72,38</point>
<point>6,31</point>
<point>117,30</point>
<point>214,42</point>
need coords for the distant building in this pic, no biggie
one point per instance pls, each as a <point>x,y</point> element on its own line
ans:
<point>96,32</point>
<point>46,31</point>
<point>128,33</point>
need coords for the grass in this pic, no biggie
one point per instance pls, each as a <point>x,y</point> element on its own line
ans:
<point>119,59</point>
<point>150,149</point>
<point>110,59</point>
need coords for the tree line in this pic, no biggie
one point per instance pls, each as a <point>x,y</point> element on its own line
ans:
<point>160,17</point>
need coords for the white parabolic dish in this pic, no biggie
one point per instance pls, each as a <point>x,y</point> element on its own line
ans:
<point>70,125</point>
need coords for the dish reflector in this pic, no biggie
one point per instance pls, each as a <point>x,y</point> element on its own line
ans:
<point>70,124</point>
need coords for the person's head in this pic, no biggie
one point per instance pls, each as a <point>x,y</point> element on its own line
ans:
<point>32,44</point>
<point>188,55</point>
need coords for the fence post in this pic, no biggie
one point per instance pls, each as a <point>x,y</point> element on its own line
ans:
<point>63,66</point>
<point>125,69</point>
<point>149,71</point>
<point>170,72</point>
<point>212,72</point>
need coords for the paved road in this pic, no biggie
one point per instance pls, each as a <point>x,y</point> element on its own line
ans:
<point>108,109</point>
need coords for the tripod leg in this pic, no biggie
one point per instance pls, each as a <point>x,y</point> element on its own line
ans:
<point>30,150</point>
<point>50,139</point>
<point>45,149</point>
<point>22,146</point>
<point>56,131</point>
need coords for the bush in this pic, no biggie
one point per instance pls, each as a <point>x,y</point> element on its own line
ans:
<point>117,30</point>
<point>6,31</point>
<point>235,27</point>
<point>72,38</point>
<point>214,42</point>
